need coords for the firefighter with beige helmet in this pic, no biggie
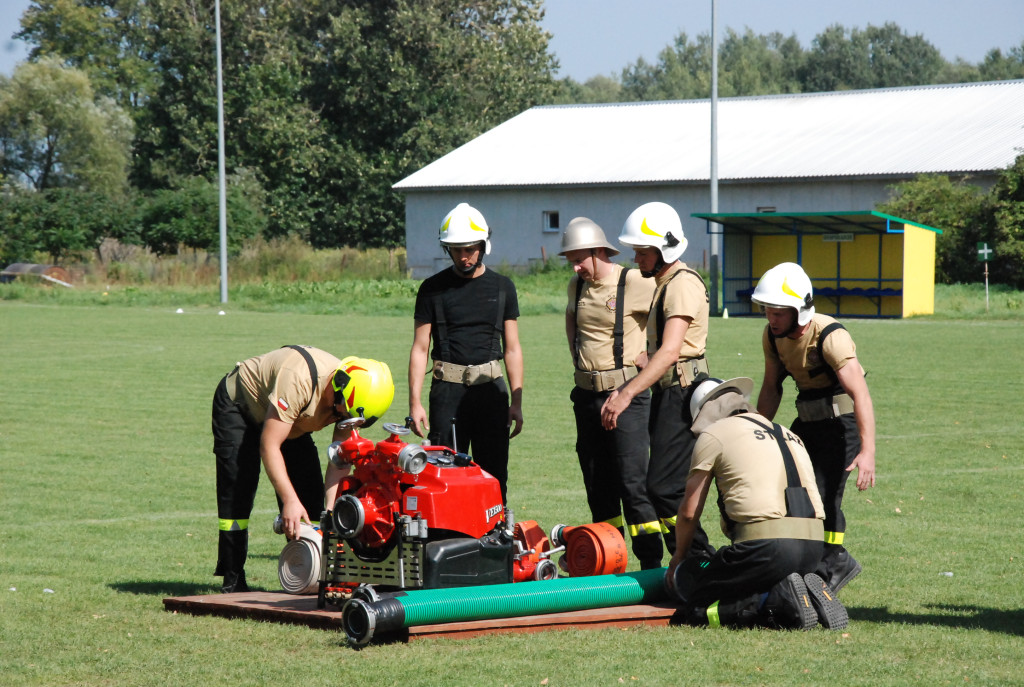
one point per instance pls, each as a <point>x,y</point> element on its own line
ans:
<point>605,323</point>
<point>835,415</point>
<point>677,331</point>
<point>470,313</point>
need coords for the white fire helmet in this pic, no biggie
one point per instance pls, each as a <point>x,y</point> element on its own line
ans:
<point>786,286</point>
<point>465,226</point>
<point>658,225</point>
<point>712,388</point>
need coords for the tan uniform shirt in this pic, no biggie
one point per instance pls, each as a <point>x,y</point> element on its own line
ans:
<point>595,318</point>
<point>282,378</point>
<point>800,356</point>
<point>685,296</point>
<point>749,470</point>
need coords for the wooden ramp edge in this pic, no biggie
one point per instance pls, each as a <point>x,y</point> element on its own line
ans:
<point>301,610</point>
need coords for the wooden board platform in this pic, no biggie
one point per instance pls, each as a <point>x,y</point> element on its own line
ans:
<point>302,610</point>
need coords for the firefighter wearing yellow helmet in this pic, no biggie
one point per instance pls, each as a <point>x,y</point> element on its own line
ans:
<point>466,325</point>
<point>267,407</point>
<point>835,415</point>
<point>605,324</point>
<point>677,330</point>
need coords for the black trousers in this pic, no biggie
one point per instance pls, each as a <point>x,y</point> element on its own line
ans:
<point>481,424</point>
<point>236,445</point>
<point>832,445</point>
<point>614,465</point>
<point>737,576</point>
<point>672,445</point>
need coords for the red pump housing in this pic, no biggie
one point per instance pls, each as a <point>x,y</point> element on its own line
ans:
<point>393,478</point>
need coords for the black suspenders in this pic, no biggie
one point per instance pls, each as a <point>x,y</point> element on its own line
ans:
<point>312,371</point>
<point>620,291</point>
<point>798,502</point>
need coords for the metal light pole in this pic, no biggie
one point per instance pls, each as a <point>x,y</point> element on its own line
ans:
<point>220,167</point>
<point>714,267</point>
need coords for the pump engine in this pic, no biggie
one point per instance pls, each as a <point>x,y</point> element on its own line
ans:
<point>411,516</point>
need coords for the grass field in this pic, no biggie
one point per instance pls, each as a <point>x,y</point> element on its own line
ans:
<point>107,506</point>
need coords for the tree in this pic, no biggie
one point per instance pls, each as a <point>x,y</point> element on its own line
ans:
<point>400,83</point>
<point>682,72</point>
<point>959,209</point>
<point>1008,219</point>
<point>596,89</point>
<point>109,40</point>
<point>999,67</point>
<point>54,132</point>
<point>877,57</point>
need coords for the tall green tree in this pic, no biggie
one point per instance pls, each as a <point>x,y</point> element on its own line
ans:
<point>400,83</point>
<point>876,57</point>
<point>55,132</point>
<point>999,67</point>
<point>111,40</point>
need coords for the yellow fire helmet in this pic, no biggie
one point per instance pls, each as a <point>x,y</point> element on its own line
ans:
<point>364,384</point>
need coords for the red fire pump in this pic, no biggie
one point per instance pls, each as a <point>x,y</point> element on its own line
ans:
<point>411,516</point>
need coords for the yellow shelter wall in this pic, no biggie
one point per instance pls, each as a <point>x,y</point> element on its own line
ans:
<point>918,271</point>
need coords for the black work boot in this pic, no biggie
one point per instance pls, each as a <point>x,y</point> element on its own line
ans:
<point>788,606</point>
<point>839,568</point>
<point>234,582</point>
<point>831,613</point>
<point>232,549</point>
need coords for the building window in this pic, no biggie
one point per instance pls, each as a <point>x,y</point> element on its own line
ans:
<point>766,208</point>
<point>551,221</point>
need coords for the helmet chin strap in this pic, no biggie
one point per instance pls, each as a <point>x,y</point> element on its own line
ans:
<point>658,266</point>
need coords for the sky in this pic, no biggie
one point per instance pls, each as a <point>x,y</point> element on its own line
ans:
<point>601,37</point>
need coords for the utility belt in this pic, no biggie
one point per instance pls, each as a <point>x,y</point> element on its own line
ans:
<point>469,375</point>
<point>825,408</point>
<point>604,380</point>
<point>684,372</point>
<point>781,528</point>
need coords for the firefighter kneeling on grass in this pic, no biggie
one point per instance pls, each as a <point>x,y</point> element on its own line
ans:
<point>771,513</point>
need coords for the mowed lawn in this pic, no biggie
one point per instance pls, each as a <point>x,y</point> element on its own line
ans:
<point>107,507</point>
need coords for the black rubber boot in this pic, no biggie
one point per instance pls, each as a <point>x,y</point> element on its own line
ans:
<point>234,582</point>
<point>837,567</point>
<point>232,550</point>
<point>831,613</point>
<point>788,606</point>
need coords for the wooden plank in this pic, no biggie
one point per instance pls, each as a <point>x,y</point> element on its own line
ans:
<point>302,610</point>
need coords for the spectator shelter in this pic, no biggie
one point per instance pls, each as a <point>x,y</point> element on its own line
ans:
<point>861,264</point>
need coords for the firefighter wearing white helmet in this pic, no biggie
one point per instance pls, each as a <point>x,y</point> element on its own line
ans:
<point>770,511</point>
<point>835,415</point>
<point>676,343</point>
<point>605,323</point>
<point>464,227</point>
<point>267,407</point>
<point>466,326</point>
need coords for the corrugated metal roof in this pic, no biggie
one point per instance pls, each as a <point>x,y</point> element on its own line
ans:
<point>896,131</point>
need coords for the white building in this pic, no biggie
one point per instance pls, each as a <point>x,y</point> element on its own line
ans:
<point>791,153</point>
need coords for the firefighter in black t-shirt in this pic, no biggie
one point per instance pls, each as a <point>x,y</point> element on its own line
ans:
<point>470,313</point>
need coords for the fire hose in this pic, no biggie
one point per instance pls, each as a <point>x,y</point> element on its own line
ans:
<point>362,619</point>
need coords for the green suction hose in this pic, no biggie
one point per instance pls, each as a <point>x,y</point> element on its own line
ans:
<point>362,619</point>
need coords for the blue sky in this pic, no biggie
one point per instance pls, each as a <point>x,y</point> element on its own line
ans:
<point>592,37</point>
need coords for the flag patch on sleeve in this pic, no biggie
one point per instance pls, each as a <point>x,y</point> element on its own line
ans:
<point>282,404</point>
